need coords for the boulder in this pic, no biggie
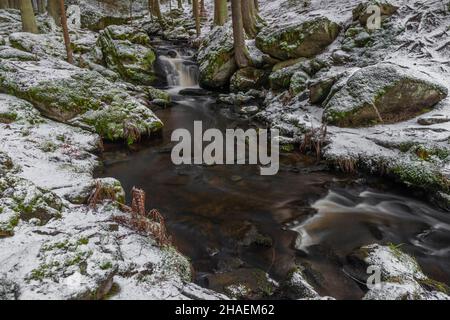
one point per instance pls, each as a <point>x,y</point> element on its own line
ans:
<point>305,39</point>
<point>41,45</point>
<point>382,93</point>
<point>400,275</point>
<point>97,16</point>
<point>299,82</point>
<point>216,59</point>
<point>362,12</point>
<point>128,52</point>
<point>80,97</point>
<point>247,78</point>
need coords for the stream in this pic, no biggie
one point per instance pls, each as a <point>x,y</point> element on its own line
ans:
<point>235,225</point>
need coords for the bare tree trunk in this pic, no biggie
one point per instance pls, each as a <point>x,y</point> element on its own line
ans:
<point>156,9</point>
<point>196,12</point>
<point>28,18</point>
<point>66,32</point>
<point>4,4</point>
<point>220,12</point>
<point>203,12</point>
<point>180,4</point>
<point>54,11</point>
<point>240,50</point>
<point>249,18</point>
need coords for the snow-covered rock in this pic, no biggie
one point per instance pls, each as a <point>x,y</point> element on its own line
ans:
<point>401,276</point>
<point>84,98</point>
<point>216,58</point>
<point>295,40</point>
<point>385,93</point>
<point>127,51</point>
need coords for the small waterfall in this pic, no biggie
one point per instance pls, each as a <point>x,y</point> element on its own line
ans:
<point>180,70</point>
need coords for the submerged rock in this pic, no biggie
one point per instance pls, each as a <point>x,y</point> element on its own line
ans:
<point>128,52</point>
<point>383,93</point>
<point>77,96</point>
<point>305,39</point>
<point>216,59</point>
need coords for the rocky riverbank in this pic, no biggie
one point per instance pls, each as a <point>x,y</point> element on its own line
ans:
<point>54,117</point>
<point>366,100</point>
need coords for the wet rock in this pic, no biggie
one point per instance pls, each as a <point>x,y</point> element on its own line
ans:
<point>235,99</point>
<point>297,287</point>
<point>372,95</point>
<point>401,276</point>
<point>128,53</point>
<point>243,283</point>
<point>216,59</point>
<point>247,78</point>
<point>156,94</point>
<point>249,110</point>
<point>305,39</point>
<point>79,97</point>
<point>362,14</point>
<point>433,119</point>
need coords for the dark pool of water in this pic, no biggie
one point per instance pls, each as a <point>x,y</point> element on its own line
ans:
<point>230,221</point>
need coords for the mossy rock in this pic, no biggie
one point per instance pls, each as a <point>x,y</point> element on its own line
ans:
<point>383,93</point>
<point>128,54</point>
<point>216,59</point>
<point>248,78</point>
<point>299,82</point>
<point>362,14</point>
<point>79,97</point>
<point>305,39</point>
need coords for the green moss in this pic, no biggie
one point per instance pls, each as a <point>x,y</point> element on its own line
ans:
<point>433,285</point>
<point>106,265</point>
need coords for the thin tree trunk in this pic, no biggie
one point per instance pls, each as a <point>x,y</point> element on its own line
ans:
<point>240,50</point>
<point>220,12</point>
<point>28,18</point>
<point>66,32</point>
<point>180,4</point>
<point>196,12</point>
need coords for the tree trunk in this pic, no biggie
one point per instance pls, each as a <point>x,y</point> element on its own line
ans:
<point>156,9</point>
<point>180,4</point>
<point>220,12</point>
<point>54,11</point>
<point>196,12</point>
<point>28,18</point>
<point>249,18</point>
<point>240,50</point>
<point>4,4</point>
<point>66,32</point>
<point>203,12</point>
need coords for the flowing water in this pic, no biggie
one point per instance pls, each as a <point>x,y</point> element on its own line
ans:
<point>234,224</point>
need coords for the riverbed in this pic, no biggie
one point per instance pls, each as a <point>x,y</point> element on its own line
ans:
<point>235,224</point>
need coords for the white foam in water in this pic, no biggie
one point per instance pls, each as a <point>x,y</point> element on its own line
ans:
<point>179,74</point>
